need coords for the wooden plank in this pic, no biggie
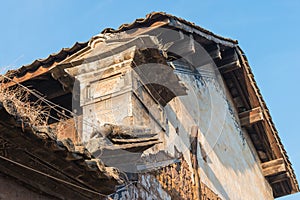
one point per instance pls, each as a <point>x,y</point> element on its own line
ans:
<point>273,167</point>
<point>134,140</point>
<point>193,154</point>
<point>133,145</point>
<point>229,62</point>
<point>234,65</point>
<point>250,117</point>
<point>272,163</point>
<point>242,91</point>
<point>271,171</point>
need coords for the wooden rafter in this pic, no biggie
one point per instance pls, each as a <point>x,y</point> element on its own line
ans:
<point>250,117</point>
<point>273,167</point>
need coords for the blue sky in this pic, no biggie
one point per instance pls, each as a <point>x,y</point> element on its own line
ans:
<point>268,31</point>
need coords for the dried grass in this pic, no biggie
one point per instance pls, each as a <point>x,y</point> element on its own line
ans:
<point>16,102</point>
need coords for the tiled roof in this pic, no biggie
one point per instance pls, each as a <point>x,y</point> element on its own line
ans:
<point>65,52</point>
<point>36,148</point>
<point>47,62</point>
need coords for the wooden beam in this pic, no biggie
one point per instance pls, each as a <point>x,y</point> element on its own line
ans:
<point>193,153</point>
<point>279,178</point>
<point>242,92</point>
<point>234,65</point>
<point>273,167</point>
<point>229,62</point>
<point>134,140</point>
<point>133,145</point>
<point>250,117</point>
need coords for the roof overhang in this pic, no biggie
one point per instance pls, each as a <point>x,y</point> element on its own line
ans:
<point>57,168</point>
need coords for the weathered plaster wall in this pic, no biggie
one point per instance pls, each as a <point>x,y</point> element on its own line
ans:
<point>11,190</point>
<point>229,165</point>
<point>228,162</point>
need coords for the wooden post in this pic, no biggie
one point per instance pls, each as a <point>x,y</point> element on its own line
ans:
<point>193,153</point>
